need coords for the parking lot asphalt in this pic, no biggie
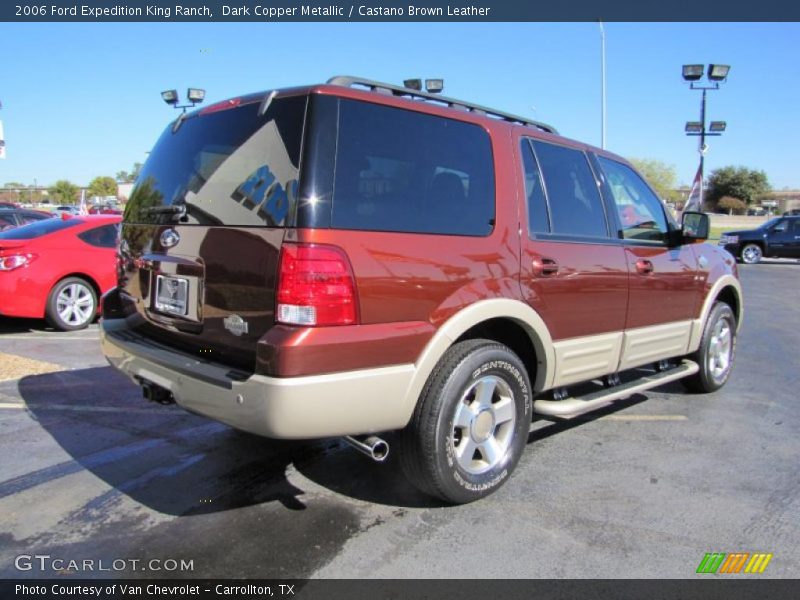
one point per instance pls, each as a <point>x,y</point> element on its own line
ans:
<point>645,488</point>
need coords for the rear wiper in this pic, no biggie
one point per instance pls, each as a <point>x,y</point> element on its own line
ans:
<point>177,211</point>
<point>172,209</point>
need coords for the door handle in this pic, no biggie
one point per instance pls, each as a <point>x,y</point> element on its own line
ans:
<point>544,267</point>
<point>644,267</point>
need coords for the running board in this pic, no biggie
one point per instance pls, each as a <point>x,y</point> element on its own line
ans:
<point>572,407</point>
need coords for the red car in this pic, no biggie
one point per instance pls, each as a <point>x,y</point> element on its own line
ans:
<point>105,209</point>
<point>58,268</point>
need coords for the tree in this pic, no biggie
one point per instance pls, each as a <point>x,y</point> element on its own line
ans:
<point>102,186</point>
<point>737,182</point>
<point>125,177</point>
<point>661,176</point>
<point>732,205</point>
<point>64,192</point>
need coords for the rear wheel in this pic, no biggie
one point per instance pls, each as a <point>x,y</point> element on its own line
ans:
<point>716,352</point>
<point>72,304</point>
<point>471,423</point>
<point>751,254</point>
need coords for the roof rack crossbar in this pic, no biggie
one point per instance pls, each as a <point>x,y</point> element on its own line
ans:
<point>396,90</point>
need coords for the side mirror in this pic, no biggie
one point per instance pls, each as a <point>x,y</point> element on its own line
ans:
<point>695,226</point>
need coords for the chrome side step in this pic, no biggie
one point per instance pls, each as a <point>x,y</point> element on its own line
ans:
<point>572,407</point>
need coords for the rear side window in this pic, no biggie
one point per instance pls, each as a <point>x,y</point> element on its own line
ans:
<point>38,229</point>
<point>399,170</point>
<point>101,237</point>
<point>576,208</point>
<point>232,166</point>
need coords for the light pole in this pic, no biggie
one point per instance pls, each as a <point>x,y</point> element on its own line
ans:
<point>716,74</point>
<point>602,86</point>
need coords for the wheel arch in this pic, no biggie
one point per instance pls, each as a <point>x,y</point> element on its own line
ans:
<point>507,321</point>
<point>87,278</point>
<point>726,289</point>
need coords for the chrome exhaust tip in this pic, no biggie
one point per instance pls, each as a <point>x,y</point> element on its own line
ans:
<point>374,447</point>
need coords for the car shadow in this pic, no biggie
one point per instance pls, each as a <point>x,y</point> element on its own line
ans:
<point>19,325</point>
<point>549,427</point>
<point>179,464</point>
<point>163,457</point>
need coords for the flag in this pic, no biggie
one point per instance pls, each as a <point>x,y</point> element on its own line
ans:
<point>694,202</point>
<point>84,210</point>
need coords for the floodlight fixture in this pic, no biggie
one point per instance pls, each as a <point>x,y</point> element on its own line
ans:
<point>195,95</point>
<point>413,84</point>
<point>434,86</point>
<point>170,96</point>
<point>717,126</point>
<point>694,127</point>
<point>693,72</point>
<point>718,72</point>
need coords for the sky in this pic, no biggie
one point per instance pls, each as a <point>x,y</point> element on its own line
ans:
<point>83,100</point>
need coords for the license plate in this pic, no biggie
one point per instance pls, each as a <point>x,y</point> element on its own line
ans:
<point>171,294</point>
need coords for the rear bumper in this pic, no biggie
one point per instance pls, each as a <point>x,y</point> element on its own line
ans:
<point>346,403</point>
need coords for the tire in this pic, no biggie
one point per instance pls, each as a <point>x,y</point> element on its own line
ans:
<point>470,425</point>
<point>71,305</point>
<point>751,254</point>
<point>716,353</point>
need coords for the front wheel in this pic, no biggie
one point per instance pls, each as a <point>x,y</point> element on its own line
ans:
<point>751,254</point>
<point>471,423</point>
<point>72,304</point>
<point>716,352</point>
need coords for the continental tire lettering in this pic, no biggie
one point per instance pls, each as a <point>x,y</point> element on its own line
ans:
<point>479,487</point>
<point>501,364</point>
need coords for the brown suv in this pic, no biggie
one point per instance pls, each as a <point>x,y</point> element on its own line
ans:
<point>354,258</point>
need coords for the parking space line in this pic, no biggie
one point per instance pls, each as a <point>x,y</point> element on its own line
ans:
<point>644,418</point>
<point>60,338</point>
<point>68,407</point>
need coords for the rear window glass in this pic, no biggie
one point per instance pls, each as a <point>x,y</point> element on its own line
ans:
<point>38,229</point>
<point>399,170</point>
<point>228,167</point>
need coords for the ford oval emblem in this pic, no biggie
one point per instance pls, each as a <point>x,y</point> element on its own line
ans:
<point>235,324</point>
<point>169,238</point>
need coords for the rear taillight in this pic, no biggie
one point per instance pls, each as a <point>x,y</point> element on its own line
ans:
<point>15,261</point>
<point>315,286</point>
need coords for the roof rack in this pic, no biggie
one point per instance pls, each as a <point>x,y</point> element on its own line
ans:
<point>396,90</point>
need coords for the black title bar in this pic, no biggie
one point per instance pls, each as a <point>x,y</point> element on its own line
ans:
<point>67,588</point>
<point>272,11</point>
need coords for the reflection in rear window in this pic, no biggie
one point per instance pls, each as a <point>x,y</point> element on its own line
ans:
<point>229,167</point>
<point>38,229</point>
